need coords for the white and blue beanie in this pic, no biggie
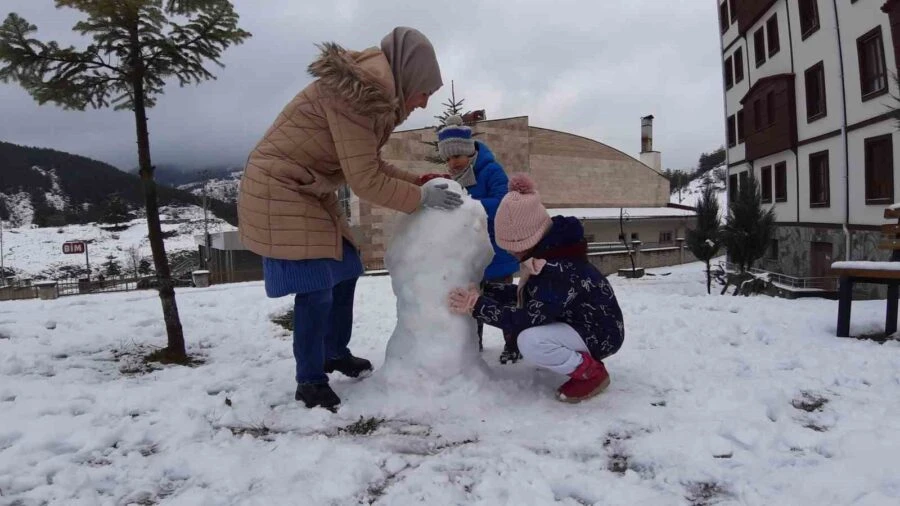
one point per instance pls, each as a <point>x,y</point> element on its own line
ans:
<point>455,139</point>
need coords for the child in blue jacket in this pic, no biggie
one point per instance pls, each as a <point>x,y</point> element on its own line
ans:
<point>474,167</point>
<point>563,311</point>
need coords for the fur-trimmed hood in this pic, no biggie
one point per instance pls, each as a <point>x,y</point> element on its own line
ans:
<point>361,78</point>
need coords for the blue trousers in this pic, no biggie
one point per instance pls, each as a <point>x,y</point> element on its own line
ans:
<point>323,322</point>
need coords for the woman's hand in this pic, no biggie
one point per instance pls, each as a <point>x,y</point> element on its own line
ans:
<point>462,300</point>
<point>439,197</point>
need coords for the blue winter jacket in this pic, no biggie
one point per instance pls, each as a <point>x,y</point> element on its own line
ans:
<point>490,187</point>
<point>569,289</point>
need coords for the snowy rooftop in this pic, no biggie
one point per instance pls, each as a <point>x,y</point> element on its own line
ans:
<point>612,213</point>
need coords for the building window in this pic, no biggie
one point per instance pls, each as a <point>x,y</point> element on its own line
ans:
<point>344,195</point>
<point>732,187</point>
<point>773,250</point>
<point>872,69</point>
<point>759,47</point>
<point>879,170</point>
<point>732,10</point>
<point>665,237</point>
<point>772,33</point>
<point>815,93</point>
<point>635,236</point>
<point>740,126</point>
<point>724,22</point>
<point>809,17</point>
<point>770,108</point>
<point>732,132</point>
<point>781,182</point>
<point>738,65</point>
<point>744,177</point>
<point>766,184</point>
<point>819,187</point>
<point>757,116</point>
<point>729,76</point>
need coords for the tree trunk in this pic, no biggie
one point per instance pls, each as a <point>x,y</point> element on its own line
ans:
<point>708,279</point>
<point>175,350</point>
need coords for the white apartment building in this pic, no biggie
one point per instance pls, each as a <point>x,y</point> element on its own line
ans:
<point>809,91</point>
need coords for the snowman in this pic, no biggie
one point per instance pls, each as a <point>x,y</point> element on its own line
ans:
<point>431,252</point>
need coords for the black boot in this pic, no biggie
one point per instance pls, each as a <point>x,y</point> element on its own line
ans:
<point>510,353</point>
<point>353,367</point>
<point>317,394</point>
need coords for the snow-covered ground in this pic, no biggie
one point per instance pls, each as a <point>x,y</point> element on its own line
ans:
<point>33,251</point>
<point>690,196</point>
<point>714,400</point>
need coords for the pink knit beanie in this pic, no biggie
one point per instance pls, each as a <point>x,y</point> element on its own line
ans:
<point>521,220</point>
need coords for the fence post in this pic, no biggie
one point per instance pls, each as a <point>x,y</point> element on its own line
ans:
<point>680,242</point>
<point>636,246</point>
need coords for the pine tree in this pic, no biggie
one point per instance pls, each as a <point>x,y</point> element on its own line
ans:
<point>137,45</point>
<point>452,107</point>
<point>116,211</point>
<point>112,267</point>
<point>704,240</point>
<point>749,229</point>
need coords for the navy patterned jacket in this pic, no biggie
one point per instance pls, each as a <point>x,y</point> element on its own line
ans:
<point>569,289</point>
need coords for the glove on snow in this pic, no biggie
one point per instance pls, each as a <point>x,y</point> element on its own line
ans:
<point>424,178</point>
<point>439,197</point>
<point>462,300</point>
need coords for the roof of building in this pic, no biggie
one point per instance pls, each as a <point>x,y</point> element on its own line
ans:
<point>612,213</point>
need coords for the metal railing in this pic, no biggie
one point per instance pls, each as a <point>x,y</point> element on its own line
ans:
<point>791,282</point>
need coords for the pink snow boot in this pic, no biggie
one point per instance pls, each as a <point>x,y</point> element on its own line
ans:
<point>588,379</point>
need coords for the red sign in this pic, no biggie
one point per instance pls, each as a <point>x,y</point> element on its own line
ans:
<point>74,247</point>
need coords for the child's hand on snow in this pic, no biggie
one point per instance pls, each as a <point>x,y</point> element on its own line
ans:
<point>462,300</point>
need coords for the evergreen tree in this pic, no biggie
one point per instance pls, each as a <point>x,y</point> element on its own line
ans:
<point>144,267</point>
<point>709,161</point>
<point>116,211</point>
<point>452,107</point>
<point>704,240</point>
<point>137,46</point>
<point>748,229</point>
<point>112,267</point>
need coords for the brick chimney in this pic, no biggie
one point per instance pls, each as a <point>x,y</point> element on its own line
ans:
<point>651,158</point>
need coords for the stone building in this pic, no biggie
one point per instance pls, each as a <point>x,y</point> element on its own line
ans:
<point>575,175</point>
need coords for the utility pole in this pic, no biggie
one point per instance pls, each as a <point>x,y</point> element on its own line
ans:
<point>2,267</point>
<point>204,261</point>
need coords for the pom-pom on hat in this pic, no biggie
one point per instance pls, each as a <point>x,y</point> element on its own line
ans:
<point>521,220</point>
<point>455,138</point>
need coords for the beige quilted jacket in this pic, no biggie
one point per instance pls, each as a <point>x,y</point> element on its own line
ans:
<point>331,133</point>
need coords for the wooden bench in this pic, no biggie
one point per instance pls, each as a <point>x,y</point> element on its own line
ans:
<point>879,273</point>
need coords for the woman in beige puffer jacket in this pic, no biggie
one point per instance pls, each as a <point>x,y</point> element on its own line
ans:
<point>331,134</point>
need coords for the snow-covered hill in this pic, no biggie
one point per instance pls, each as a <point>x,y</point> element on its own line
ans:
<point>20,204</point>
<point>691,195</point>
<point>224,189</point>
<point>37,252</point>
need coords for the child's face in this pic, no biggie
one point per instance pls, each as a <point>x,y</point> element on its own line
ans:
<point>457,163</point>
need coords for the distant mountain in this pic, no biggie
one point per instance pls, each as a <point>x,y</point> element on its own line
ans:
<point>221,188</point>
<point>175,176</point>
<point>45,187</point>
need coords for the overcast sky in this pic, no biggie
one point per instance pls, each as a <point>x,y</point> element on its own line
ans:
<point>587,67</point>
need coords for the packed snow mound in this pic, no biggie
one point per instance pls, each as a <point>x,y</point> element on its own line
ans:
<point>433,251</point>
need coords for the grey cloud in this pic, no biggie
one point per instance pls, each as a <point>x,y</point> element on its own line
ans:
<point>591,68</point>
